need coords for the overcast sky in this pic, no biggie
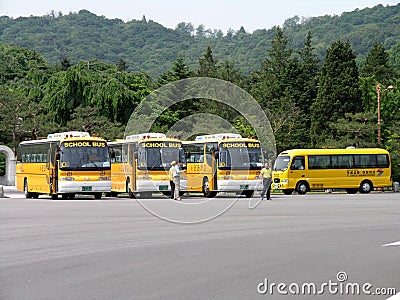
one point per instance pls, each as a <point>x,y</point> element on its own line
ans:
<point>214,14</point>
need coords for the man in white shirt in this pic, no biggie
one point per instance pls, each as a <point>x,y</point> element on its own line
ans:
<point>177,181</point>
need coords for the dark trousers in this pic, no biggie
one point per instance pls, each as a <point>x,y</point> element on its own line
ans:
<point>266,188</point>
<point>172,184</point>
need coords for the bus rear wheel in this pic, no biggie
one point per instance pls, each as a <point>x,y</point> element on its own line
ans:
<point>97,196</point>
<point>366,187</point>
<point>302,188</point>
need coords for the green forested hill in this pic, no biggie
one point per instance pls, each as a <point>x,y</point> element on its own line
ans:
<point>148,46</point>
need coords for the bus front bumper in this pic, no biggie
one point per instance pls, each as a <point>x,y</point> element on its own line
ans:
<point>157,185</point>
<point>82,187</point>
<point>239,185</point>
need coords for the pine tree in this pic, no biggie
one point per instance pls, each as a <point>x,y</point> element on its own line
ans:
<point>208,65</point>
<point>274,86</point>
<point>306,91</point>
<point>339,91</point>
<point>377,65</point>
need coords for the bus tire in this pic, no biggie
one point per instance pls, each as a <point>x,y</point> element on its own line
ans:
<point>206,189</point>
<point>248,194</point>
<point>351,191</point>
<point>26,190</point>
<point>128,189</point>
<point>366,187</point>
<point>302,188</point>
<point>287,191</point>
<point>54,196</point>
<point>97,196</point>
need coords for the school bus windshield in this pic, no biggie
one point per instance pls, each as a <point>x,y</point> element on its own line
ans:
<point>84,155</point>
<point>240,156</point>
<point>158,156</point>
<point>282,163</point>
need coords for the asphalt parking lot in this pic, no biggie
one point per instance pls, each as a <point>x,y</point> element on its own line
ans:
<point>121,248</point>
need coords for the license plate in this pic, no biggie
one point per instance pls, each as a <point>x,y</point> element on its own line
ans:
<point>163,187</point>
<point>244,187</point>
<point>86,189</point>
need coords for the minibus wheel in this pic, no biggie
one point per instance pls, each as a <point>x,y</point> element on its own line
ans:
<point>302,188</point>
<point>366,187</point>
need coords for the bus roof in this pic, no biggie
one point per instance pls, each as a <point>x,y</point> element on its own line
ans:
<point>218,136</point>
<point>147,135</point>
<point>59,140</point>
<point>293,152</point>
<point>63,135</point>
<point>221,137</point>
<point>151,139</point>
<point>229,140</point>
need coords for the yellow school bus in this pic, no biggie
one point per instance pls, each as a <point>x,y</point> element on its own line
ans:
<point>65,163</point>
<point>352,169</point>
<point>140,163</point>
<point>223,163</point>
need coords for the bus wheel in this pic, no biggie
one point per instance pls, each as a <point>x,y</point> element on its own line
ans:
<point>366,187</point>
<point>302,188</point>
<point>128,190</point>
<point>54,196</point>
<point>248,194</point>
<point>351,191</point>
<point>64,196</point>
<point>26,190</point>
<point>98,195</point>
<point>287,192</point>
<point>206,189</point>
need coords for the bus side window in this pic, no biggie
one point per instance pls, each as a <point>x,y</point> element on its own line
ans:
<point>298,163</point>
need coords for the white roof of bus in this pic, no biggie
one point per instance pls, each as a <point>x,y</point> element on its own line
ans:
<point>63,135</point>
<point>218,136</point>
<point>141,136</point>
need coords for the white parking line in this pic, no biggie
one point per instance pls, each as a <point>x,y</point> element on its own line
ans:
<point>392,244</point>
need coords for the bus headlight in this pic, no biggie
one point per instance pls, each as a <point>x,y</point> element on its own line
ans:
<point>285,181</point>
<point>105,178</point>
<point>67,178</point>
